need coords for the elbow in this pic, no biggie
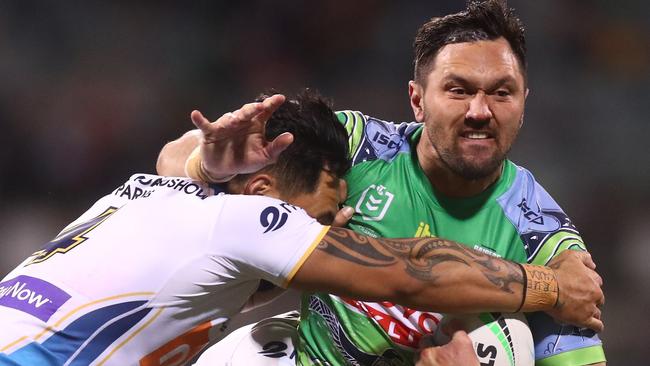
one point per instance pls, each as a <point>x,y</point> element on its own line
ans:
<point>162,161</point>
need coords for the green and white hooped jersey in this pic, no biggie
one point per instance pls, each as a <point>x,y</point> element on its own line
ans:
<point>515,219</point>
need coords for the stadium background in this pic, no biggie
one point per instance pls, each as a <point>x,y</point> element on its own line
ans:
<point>91,90</point>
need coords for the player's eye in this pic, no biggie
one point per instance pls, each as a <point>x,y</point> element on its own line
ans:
<point>503,93</point>
<point>458,91</point>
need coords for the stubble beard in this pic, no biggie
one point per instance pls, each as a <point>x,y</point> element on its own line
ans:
<point>467,168</point>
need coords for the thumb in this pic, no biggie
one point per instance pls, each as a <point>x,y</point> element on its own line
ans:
<point>343,216</point>
<point>199,120</point>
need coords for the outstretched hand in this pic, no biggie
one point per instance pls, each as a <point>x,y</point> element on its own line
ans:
<point>235,143</point>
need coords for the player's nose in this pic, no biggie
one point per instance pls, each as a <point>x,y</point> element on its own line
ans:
<point>479,108</point>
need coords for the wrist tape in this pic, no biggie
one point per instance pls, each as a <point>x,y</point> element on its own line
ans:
<point>194,169</point>
<point>541,291</point>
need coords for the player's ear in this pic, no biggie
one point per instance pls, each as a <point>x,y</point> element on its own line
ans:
<point>261,185</point>
<point>415,96</point>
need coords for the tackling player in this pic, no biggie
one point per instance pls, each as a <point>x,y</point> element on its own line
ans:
<point>155,269</point>
<point>447,177</point>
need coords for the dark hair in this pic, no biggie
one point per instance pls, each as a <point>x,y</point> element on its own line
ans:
<point>320,142</point>
<point>483,20</point>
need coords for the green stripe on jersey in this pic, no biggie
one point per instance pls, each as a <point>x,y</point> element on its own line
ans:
<point>556,243</point>
<point>579,357</point>
<point>354,123</point>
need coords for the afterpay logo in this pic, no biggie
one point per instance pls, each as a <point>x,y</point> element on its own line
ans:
<point>374,202</point>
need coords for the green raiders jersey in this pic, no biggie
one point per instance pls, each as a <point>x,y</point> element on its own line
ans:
<point>515,219</point>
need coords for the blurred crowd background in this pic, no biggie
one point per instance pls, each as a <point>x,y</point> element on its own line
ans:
<point>90,91</point>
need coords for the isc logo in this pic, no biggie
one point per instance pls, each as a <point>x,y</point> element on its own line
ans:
<point>273,218</point>
<point>538,220</point>
<point>382,139</point>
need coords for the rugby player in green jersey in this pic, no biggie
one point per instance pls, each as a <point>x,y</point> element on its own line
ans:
<point>244,128</point>
<point>447,177</point>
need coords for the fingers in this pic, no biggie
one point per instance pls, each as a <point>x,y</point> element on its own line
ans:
<point>260,111</point>
<point>248,111</point>
<point>595,324</point>
<point>461,337</point>
<point>269,105</point>
<point>428,357</point>
<point>459,351</point>
<point>598,279</point>
<point>278,145</point>
<point>598,314</point>
<point>587,260</point>
<point>343,216</point>
<point>601,298</point>
<point>199,120</point>
<point>255,112</point>
<point>274,101</point>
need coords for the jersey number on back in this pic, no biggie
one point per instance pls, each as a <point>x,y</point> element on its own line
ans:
<point>70,238</point>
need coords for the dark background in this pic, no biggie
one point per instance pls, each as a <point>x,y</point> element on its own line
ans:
<point>90,91</point>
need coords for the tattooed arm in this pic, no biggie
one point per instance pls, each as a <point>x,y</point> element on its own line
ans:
<point>439,275</point>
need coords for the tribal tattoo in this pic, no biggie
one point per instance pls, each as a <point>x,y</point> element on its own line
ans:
<point>420,255</point>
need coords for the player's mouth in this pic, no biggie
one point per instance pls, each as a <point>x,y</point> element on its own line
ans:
<point>477,135</point>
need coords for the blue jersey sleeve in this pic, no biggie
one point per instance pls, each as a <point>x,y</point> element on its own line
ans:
<point>547,231</point>
<point>371,138</point>
<point>565,345</point>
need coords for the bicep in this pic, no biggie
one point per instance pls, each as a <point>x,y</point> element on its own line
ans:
<point>270,237</point>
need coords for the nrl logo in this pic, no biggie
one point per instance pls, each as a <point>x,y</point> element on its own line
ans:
<point>374,203</point>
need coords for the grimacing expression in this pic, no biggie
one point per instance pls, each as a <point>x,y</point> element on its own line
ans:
<point>473,105</point>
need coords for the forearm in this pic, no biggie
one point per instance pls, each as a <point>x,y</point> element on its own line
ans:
<point>457,280</point>
<point>172,157</point>
<point>485,281</point>
<point>423,273</point>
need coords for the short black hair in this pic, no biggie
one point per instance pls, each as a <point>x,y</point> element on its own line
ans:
<point>319,142</point>
<point>482,20</point>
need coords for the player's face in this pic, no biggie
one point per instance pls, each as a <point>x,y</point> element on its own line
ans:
<point>472,106</point>
<point>323,203</point>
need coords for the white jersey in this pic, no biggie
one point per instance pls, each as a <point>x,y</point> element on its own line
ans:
<point>149,274</point>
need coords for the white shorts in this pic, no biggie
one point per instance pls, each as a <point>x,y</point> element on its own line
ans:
<point>268,342</point>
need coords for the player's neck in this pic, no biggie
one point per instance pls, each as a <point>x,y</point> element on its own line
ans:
<point>447,182</point>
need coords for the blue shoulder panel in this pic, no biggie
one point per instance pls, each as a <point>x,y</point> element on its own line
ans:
<point>383,140</point>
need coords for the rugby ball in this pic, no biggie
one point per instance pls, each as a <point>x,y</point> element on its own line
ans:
<point>499,339</point>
